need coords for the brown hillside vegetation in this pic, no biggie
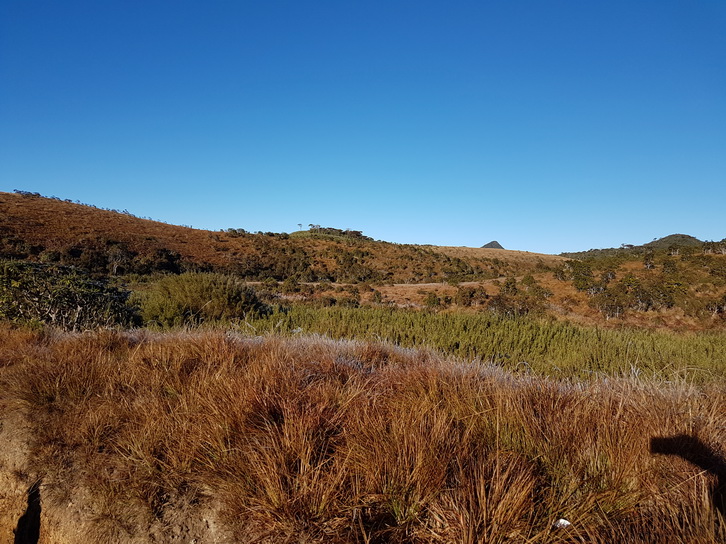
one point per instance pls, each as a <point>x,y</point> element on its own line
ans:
<point>660,285</point>
<point>48,229</point>
<point>524,257</point>
<point>211,437</point>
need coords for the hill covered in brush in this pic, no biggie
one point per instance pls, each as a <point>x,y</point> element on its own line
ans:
<point>102,241</point>
<point>673,243</point>
<point>677,282</point>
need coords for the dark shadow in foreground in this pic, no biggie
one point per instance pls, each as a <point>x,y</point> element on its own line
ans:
<point>28,529</point>
<point>696,452</point>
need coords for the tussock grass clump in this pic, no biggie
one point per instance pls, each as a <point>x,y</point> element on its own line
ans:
<point>312,440</point>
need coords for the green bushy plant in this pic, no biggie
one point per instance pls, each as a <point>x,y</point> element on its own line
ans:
<point>194,298</point>
<point>432,300</point>
<point>62,296</point>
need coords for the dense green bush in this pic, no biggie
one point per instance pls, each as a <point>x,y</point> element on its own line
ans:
<point>640,294</point>
<point>61,296</point>
<point>432,300</point>
<point>519,298</point>
<point>193,298</point>
<point>470,296</point>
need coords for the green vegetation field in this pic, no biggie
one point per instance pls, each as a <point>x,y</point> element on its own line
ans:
<point>542,346</point>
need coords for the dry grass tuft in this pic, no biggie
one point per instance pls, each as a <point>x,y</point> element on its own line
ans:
<point>312,440</point>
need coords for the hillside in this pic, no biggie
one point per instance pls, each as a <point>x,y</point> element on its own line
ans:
<point>378,393</point>
<point>674,240</point>
<point>51,230</point>
<point>659,285</point>
<point>672,243</point>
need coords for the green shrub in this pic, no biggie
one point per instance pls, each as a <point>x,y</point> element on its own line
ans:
<point>432,300</point>
<point>62,296</point>
<point>194,298</point>
<point>464,296</point>
<point>290,286</point>
<point>348,302</point>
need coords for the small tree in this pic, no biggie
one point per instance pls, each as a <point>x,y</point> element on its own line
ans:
<point>648,260</point>
<point>509,288</point>
<point>432,300</point>
<point>62,296</point>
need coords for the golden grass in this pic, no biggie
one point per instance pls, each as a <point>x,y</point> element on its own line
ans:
<point>312,440</point>
<point>511,255</point>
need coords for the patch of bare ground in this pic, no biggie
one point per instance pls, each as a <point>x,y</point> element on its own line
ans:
<point>16,482</point>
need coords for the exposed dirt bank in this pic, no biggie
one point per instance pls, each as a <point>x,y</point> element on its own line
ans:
<point>41,509</point>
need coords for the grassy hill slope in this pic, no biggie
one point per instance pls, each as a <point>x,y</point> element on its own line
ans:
<point>51,230</point>
<point>663,285</point>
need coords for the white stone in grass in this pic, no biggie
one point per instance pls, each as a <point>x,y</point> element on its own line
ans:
<point>562,523</point>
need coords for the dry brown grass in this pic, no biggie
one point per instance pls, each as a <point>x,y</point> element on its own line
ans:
<point>524,257</point>
<point>310,440</point>
<point>55,225</point>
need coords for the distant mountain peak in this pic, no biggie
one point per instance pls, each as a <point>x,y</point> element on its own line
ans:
<point>493,245</point>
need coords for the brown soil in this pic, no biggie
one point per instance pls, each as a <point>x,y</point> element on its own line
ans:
<point>15,480</point>
<point>38,509</point>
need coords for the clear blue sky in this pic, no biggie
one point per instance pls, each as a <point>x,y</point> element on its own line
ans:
<point>549,126</point>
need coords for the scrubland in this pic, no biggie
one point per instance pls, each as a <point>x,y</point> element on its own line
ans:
<point>677,282</point>
<point>356,391</point>
<point>216,436</point>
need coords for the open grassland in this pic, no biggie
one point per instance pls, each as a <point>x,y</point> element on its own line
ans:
<point>524,257</point>
<point>220,437</point>
<point>542,346</point>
